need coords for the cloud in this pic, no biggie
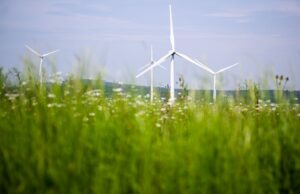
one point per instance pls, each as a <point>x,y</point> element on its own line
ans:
<point>63,17</point>
<point>282,7</point>
<point>226,15</point>
<point>76,7</point>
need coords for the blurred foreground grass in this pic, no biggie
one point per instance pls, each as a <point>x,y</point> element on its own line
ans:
<point>73,139</point>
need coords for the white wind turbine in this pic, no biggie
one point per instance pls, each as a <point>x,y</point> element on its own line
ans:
<point>151,73</point>
<point>41,56</point>
<point>215,73</point>
<point>171,54</point>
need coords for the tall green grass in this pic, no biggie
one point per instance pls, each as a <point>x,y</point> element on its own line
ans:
<point>73,139</point>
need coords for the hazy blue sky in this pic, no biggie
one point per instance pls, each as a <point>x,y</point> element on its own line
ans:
<point>115,35</point>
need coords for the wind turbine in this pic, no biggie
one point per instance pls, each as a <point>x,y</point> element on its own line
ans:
<point>215,73</point>
<point>171,54</point>
<point>41,56</point>
<point>151,72</point>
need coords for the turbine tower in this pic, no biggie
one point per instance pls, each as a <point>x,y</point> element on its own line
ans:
<point>41,56</point>
<point>151,73</point>
<point>215,73</point>
<point>171,54</point>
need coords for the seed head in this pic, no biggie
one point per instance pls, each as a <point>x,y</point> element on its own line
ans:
<point>281,77</point>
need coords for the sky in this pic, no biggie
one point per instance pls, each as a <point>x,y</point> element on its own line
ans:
<point>113,37</point>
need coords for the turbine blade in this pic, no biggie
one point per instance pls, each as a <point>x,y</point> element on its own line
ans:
<point>33,51</point>
<point>206,67</point>
<point>195,63</point>
<point>226,68</point>
<point>172,39</point>
<point>143,67</point>
<point>44,55</point>
<point>162,67</point>
<point>151,64</point>
<point>161,60</point>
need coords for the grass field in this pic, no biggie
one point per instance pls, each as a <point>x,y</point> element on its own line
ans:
<point>73,139</point>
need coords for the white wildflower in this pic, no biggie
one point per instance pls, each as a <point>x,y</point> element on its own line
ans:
<point>59,105</point>
<point>244,110</point>
<point>94,93</point>
<point>100,108</point>
<point>85,119</point>
<point>117,90</point>
<point>11,97</point>
<point>165,117</point>
<point>138,102</point>
<point>51,95</point>
<point>91,114</point>
<point>140,113</point>
<point>258,108</point>
<point>157,125</point>
<point>163,109</point>
<point>170,103</point>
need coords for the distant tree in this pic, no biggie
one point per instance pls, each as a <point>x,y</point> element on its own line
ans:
<point>3,78</point>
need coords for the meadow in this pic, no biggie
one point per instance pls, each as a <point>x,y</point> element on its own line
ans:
<point>75,139</point>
